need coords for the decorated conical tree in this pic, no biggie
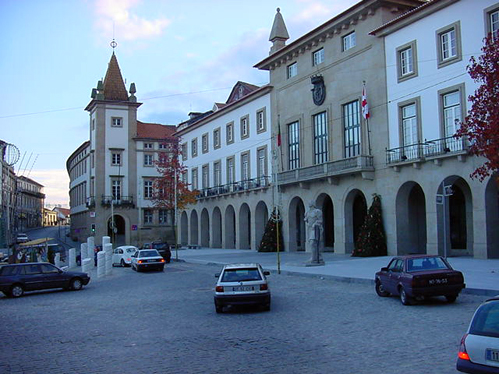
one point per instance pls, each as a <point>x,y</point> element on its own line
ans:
<point>269,239</point>
<point>372,240</point>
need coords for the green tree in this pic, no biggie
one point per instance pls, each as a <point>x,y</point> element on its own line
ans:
<point>371,240</point>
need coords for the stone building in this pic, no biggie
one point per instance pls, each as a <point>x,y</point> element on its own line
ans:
<point>29,203</point>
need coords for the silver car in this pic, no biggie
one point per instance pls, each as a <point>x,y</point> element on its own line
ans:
<point>147,259</point>
<point>242,284</point>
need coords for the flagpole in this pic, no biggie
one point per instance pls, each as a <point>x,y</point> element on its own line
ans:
<point>366,115</point>
<point>276,207</point>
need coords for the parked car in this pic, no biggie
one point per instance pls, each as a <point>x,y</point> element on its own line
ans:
<point>162,247</point>
<point>122,255</point>
<point>415,277</point>
<point>479,350</point>
<point>147,259</point>
<point>21,238</point>
<point>17,278</point>
<point>242,284</point>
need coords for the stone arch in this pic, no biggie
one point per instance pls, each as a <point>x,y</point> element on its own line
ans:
<point>184,229</point>
<point>205,228</point>
<point>244,227</point>
<point>194,228</point>
<point>216,228</point>
<point>261,218</point>
<point>325,203</point>
<point>410,206</point>
<point>118,235</point>
<point>230,227</point>
<point>355,214</point>
<point>492,217</point>
<point>457,233</point>
<point>297,239</point>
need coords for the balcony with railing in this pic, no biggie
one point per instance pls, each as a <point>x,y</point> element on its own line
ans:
<point>359,164</point>
<point>118,201</point>
<point>235,187</point>
<point>90,202</point>
<point>430,149</point>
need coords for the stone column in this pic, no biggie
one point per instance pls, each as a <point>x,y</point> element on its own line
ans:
<point>72,258</point>
<point>91,249</point>
<point>83,252</point>
<point>101,264</point>
<point>86,265</point>
<point>108,249</point>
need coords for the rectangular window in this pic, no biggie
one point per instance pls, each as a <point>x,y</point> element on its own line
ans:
<point>116,158</point>
<point>494,23</point>
<point>163,216</point>
<point>206,176</point>
<point>147,216</point>
<point>148,146</point>
<point>449,44</point>
<point>409,125</point>
<point>292,70</point>
<point>231,175</point>
<point>194,147</point>
<point>318,57</point>
<point>407,61</point>
<point>320,138</point>
<point>351,123</point>
<point>204,143</point>
<point>244,127</point>
<point>148,159</point>
<point>162,146</point>
<point>147,189</point>
<point>116,189</point>
<point>217,174</point>
<point>183,151</point>
<point>194,178</point>
<point>229,133</point>
<point>262,164</point>
<point>349,41</point>
<point>261,121</point>
<point>294,145</point>
<point>216,138</point>
<point>245,170</point>
<point>117,122</point>
<point>451,103</point>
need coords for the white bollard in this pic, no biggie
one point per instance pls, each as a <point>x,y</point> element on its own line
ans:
<point>86,265</point>
<point>91,249</point>
<point>57,260</point>
<point>105,240</point>
<point>101,264</point>
<point>108,249</point>
<point>72,257</point>
<point>83,252</point>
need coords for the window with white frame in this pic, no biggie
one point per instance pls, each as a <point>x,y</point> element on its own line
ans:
<point>351,126</point>
<point>262,164</point>
<point>148,145</point>
<point>194,179</point>
<point>292,70</point>
<point>183,151</point>
<point>229,133</point>
<point>451,104</point>
<point>349,41</point>
<point>409,124</point>
<point>206,176</point>
<point>261,123</point>
<point>320,138</point>
<point>163,146</point>
<point>217,174</point>
<point>148,189</point>
<point>407,61</point>
<point>245,168</point>
<point>148,159</point>
<point>204,143</point>
<point>116,158</point>
<point>318,57</point>
<point>194,147</point>
<point>216,138</point>
<point>231,174</point>
<point>449,44</point>
<point>116,189</point>
<point>244,127</point>
<point>117,122</point>
<point>294,145</point>
<point>163,216</point>
<point>494,23</point>
<point>147,216</point>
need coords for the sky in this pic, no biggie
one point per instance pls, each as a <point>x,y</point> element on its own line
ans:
<point>182,57</point>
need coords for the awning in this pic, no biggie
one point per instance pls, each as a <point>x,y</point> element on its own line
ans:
<point>36,242</point>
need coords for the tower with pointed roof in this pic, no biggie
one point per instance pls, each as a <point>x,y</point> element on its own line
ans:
<point>279,33</point>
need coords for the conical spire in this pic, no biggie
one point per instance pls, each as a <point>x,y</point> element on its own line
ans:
<point>114,87</point>
<point>279,33</point>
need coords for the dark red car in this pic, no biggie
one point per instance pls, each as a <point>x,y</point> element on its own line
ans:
<point>415,277</point>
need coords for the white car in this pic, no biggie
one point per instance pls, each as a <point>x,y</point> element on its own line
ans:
<point>21,238</point>
<point>479,350</point>
<point>147,259</point>
<point>242,284</point>
<point>122,256</point>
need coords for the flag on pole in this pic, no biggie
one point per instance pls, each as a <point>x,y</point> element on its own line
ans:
<point>278,132</point>
<point>365,106</point>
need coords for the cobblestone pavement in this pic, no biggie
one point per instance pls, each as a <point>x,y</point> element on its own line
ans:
<point>166,323</point>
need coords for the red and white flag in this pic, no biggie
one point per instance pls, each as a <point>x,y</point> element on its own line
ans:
<point>365,106</point>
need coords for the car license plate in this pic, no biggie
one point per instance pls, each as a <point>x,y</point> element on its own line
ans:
<point>434,282</point>
<point>242,288</point>
<point>492,354</point>
<point>151,260</point>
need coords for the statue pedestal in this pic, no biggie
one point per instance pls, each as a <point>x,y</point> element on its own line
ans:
<point>316,259</point>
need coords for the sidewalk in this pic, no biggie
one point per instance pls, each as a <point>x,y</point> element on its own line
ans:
<point>481,276</point>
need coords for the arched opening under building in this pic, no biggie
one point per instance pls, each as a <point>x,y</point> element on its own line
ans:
<point>230,228</point>
<point>216,228</point>
<point>194,228</point>
<point>296,218</point>
<point>261,218</point>
<point>244,227</point>
<point>325,203</point>
<point>411,219</point>
<point>118,235</point>
<point>205,228</point>
<point>492,217</point>
<point>184,231</point>
<point>355,215</point>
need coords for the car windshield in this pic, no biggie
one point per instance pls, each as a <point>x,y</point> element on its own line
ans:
<point>150,253</point>
<point>486,320</point>
<point>426,263</point>
<point>241,275</point>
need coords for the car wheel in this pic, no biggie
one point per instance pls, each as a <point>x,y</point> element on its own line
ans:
<point>219,309</point>
<point>76,284</point>
<point>404,298</point>
<point>380,290</point>
<point>16,290</point>
<point>451,298</point>
<point>122,263</point>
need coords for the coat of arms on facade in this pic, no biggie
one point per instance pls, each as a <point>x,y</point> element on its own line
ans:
<point>319,90</point>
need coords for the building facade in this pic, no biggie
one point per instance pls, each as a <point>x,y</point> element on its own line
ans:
<point>227,152</point>
<point>29,205</point>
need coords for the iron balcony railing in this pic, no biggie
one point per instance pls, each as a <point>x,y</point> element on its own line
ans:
<point>350,165</point>
<point>90,202</point>
<point>235,187</point>
<point>118,201</point>
<point>427,149</point>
